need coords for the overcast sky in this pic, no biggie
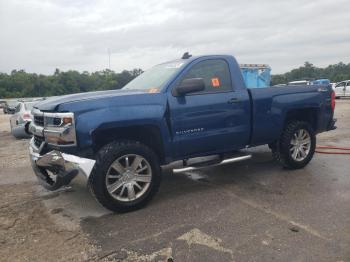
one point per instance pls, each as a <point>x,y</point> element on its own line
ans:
<point>41,35</point>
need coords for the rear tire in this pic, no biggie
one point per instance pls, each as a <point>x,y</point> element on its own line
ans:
<point>296,146</point>
<point>120,185</point>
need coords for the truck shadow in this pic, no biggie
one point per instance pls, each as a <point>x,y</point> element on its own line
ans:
<point>259,173</point>
<point>195,199</point>
<point>259,177</point>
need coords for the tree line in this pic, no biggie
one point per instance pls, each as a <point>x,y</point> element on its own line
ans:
<point>335,73</point>
<point>22,84</point>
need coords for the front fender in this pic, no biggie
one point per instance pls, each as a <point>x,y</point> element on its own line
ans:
<point>121,116</point>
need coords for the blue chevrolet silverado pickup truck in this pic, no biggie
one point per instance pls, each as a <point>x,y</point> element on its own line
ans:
<point>179,110</point>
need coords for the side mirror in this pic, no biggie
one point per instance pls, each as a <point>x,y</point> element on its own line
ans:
<point>190,85</point>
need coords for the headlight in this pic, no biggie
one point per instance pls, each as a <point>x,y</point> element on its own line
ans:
<point>60,129</point>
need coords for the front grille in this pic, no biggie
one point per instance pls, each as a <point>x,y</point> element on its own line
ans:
<point>38,140</point>
<point>39,120</point>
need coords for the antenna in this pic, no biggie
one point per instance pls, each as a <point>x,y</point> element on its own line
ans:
<point>109,58</point>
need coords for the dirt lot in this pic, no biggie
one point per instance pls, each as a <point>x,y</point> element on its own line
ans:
<point>248,211</point>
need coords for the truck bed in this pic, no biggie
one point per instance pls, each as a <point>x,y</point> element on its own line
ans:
<point>270,105</point>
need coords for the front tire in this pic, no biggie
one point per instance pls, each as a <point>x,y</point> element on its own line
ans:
<point>296,146</point>
<point>126,176</point>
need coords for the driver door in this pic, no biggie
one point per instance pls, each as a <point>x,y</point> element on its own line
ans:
<point>347,89</point>
<point>214,120</point>
<point>340,89</point>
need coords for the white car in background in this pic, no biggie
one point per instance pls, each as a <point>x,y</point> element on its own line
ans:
<point>299,83</point>
<point>342,89</point>
<point>21,118</point>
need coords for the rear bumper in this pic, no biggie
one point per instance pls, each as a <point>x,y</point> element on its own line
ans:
<point>65,166</point>
<point>19,131</point>
<point>332,125</point>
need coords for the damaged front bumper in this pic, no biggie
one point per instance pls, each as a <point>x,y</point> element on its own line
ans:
<point>64,166</point>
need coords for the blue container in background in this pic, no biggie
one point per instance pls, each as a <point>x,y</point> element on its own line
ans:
<point>256,75</point>
<point>321,82</point>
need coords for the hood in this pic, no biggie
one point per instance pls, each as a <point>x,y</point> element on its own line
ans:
<point>51,104</point>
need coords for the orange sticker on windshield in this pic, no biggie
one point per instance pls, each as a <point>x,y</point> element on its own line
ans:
<point>215,82</point>
<point>153,90</point>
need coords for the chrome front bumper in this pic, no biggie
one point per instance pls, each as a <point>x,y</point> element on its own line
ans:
<point>64,163</point>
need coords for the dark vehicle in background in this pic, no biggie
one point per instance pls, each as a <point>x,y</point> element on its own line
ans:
<point>10,106</point>
<point>21,118</point>
<point>179,110</point>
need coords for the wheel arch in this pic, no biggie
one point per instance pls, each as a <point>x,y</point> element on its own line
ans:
<point>149,135</point>
<point>309,115</point>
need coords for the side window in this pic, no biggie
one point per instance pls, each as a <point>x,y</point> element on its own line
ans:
<point>348,84</point>
<point>342,84</point>
<point>215,73</point>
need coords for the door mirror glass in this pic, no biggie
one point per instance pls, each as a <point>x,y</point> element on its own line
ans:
<point>190,85</point>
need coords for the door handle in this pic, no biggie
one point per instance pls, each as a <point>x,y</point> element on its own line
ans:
<point>233,100</point>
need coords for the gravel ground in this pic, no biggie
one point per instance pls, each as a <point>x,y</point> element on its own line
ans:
<point>248,211</point>
<point>28,230</point>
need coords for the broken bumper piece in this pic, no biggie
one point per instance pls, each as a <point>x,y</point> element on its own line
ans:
<point>65,162</point>
<point>64,166</point>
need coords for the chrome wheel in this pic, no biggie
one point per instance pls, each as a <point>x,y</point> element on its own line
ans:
<point>300,145</point>
<point>129,177</point>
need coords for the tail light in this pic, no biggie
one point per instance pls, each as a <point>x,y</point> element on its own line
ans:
<point>333,100</point>
<point>26,116</point>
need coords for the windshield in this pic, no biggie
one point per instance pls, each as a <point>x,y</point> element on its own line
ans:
<point>154,78</point>
<point>29,106</point>
<point>12,103</point>
<point>340,84</point>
